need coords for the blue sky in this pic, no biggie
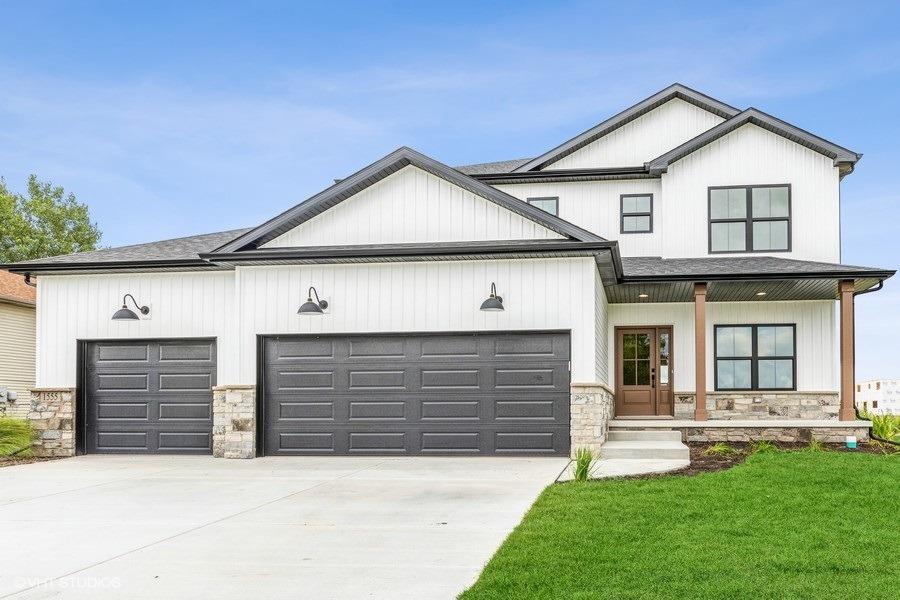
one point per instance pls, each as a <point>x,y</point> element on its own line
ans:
<point>176,118</point>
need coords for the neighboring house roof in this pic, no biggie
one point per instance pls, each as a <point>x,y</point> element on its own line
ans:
<point>14,289</point>
<point>676,90</point>
<point>378,170</point>
<point>842,157</point>
<point>179,251</point>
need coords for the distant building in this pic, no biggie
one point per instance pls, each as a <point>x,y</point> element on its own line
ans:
<point>879,396</point>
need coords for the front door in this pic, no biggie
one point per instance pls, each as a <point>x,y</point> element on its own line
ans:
<point>644,373</point>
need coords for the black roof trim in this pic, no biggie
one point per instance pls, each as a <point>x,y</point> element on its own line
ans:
<point>676,90</point>
<point>377,171</point>
<point>404,250</point>
<point>558,175</point>
<point>656,269</point>
<point>840,155</point>
<point>43,267</point>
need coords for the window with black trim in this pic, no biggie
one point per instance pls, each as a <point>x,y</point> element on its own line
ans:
<point>637,213</point>
<point>755,357</point>
<point>750,218</point>
<point>549,204</point>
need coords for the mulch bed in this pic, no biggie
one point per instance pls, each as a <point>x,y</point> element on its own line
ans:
<point>701,462</point>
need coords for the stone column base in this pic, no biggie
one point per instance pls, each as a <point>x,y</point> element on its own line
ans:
<point>591,410</point>
<point>52,417</point>
<point>234,421</point>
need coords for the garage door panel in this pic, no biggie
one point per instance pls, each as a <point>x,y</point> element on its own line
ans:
<point>281,349</point>
<point>131,353</point>
<point>447,394</point>
<point>160,404</point>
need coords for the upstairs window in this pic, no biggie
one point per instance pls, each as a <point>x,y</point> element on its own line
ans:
<point>755,357</point>
<point>751,218</point>
<point>550,204</point>
<point>637,213</point>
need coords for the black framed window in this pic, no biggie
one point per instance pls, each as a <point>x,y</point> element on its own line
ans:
<point>755,357</point>
<point>750,218</point>
<point>549,204</point>
<point>637,213</point>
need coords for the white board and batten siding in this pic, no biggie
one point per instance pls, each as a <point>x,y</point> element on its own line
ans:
<point>17,354</point>
<point>643,139</point>
<point>751,155</point>
<point>236,306</point>
<point>412,206</point>
<point>80,307</point>
<point>538,294</point>
<point>596,206</point>
<point>816,345</point>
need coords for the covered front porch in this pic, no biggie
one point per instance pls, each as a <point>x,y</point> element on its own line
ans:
<point>770,341</point>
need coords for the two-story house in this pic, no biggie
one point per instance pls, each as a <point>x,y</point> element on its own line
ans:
<point>677,266</point>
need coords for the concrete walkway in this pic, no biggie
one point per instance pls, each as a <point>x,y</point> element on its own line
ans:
<point>196,527</point>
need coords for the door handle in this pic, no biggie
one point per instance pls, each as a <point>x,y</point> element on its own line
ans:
<point>653,378</point>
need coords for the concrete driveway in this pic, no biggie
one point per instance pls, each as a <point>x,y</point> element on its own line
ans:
<point>196,527</point>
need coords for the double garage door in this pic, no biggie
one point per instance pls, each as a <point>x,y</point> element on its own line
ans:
<point>417,394</point>
<point>483,393</point>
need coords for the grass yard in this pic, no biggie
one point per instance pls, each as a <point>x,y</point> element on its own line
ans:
<point>798,524</point>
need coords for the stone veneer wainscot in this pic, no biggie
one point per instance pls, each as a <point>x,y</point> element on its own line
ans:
<point>591,410</point>
<point>52,416</point>
<point>234,421</point>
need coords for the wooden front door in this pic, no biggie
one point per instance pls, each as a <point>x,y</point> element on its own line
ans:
<point>645,381</point>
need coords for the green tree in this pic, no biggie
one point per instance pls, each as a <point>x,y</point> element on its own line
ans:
<point>45,221</point>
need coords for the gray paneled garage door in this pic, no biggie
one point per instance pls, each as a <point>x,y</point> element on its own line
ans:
<point>149,396</point>
<point>417,394</point>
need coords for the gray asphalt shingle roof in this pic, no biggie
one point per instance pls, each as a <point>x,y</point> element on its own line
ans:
<point>186,248</point>
<point>654,266</point>
<point>500,166</point>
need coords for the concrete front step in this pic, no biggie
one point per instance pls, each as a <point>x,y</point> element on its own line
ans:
<point>633,435</point>
<point>645,450</point>
<point>614,467</point>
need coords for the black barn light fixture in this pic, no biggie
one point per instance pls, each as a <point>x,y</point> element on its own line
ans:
<point>312,308</point>
<point>494,303</point>
<point>126,314</point>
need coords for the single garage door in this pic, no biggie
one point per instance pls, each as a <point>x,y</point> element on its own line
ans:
<point>484,393</point>
<point>149,396</point>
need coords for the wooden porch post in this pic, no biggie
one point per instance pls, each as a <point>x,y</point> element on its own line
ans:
<point>700,412</point>
<point>848,376</point>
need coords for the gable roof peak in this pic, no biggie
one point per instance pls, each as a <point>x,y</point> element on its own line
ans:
<point>676,90</point>
<point>382,168</point>
<point>843,158</point>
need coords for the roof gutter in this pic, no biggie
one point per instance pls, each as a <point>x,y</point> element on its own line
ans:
<point>30,268</point>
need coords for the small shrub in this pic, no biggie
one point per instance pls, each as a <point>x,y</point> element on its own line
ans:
<point>584,459</point>
<point>762,447</point>
<point>815,446</point>
<point>886,427</point>
<point>721,449</point>
<point>15,437</point>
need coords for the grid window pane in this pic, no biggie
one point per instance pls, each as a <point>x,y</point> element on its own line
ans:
<point>784,341</point>
<point>776,374</point>
<point>718,204</point>
<point>770,235</point>
<point>628,346</point>
<point>641,204</point>
<point>733,374</point>
<point>545,204</point>
<point>629,204</point>
<point>729,237</point>
<point>629,372</point>
<point>779,201</point>
<point>643,372</point>
<point>761,202</point>
<point>734,341</point>
<point>643,346</point>
<point>737,203</point>
<point>636,224</point>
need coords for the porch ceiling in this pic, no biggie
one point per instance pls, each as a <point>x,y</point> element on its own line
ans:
<point>733,291</point>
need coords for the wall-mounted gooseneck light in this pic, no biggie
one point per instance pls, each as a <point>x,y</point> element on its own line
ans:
<point>126,314</point>
<point>312,308</point>
<point>494,302</point>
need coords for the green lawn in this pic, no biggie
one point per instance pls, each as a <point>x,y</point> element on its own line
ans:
<point>782,525</point>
